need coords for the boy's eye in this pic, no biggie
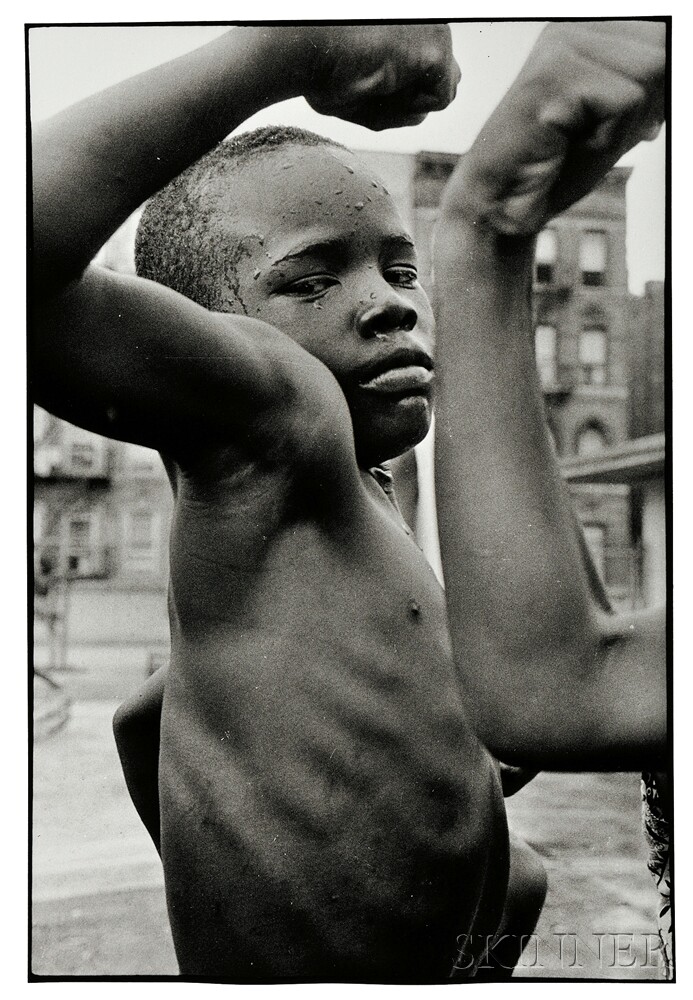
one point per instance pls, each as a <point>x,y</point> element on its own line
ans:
<point>404,275</point>
<point>310,287</point>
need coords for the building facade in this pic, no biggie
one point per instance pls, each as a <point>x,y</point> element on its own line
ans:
<point>590,334</point>
<point>102,508</point>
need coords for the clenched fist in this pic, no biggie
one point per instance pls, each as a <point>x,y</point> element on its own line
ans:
<point>380,76</point>
<point>588,92</point>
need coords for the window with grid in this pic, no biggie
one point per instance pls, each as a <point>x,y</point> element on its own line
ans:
<point>80,534</point>
<point>593,258</point>
<point>82,456</point>
<point>141,539</point>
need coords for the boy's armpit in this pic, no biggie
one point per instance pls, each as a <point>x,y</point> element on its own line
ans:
<point>133,360</point>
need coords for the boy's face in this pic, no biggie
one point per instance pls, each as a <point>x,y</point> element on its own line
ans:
<point>325,258</point>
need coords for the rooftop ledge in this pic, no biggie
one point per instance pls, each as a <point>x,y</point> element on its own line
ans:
<point>627,462</point>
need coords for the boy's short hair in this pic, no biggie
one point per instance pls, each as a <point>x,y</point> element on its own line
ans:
<point>180,242</point>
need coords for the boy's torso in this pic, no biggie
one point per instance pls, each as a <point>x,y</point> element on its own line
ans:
<point>321,792</point>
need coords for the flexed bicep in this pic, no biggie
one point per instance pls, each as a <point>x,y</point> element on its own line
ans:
<point>130,359</point>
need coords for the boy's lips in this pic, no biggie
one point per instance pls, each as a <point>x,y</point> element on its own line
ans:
<point>407,378</point>
<point>402,371</point>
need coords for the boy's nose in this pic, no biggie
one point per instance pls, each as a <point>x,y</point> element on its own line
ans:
<point>388,314</point>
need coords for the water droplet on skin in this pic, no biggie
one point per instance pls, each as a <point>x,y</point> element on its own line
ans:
<point>256,274</point>
<point>287,166</point>
<point>359,205</point>
<point>381,336</point>
<point>368,198</point>
<point>350,169</point>
<point>374,183</point>
<point>373,295</point>
<point>340,191</point>
<point>414,609</point>
<point>318,202</point>
<point>316,305</point>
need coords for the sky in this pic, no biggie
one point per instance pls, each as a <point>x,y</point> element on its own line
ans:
<point>68,63</point>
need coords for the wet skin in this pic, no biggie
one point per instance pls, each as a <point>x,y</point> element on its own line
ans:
<point>326,811</point>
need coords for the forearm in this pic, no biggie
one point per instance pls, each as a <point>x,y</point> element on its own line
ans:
<point>96,162</point>
<point>524,627</point>
<point>497,474</point>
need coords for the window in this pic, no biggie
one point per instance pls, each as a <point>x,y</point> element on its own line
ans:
<point>595,537</point>
<point>545,349</point>
<point>592,357</point>
<point>79,531</point>
<point>141,539</point>
<point>545,256</point>
<point>80,544</point>
<point>141,461</point>
<point>593,258</point>
<point>82,456</point>
<point>591,440</point>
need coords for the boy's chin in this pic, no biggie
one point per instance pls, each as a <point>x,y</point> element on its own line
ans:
<point>385,440</point>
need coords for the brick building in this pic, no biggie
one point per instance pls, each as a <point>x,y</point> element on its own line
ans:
<point>591,336</point>
<point>102,508</point>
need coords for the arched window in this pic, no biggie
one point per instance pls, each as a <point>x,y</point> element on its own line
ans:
<point>591,439</point>
<point>545,344</point>
<point>545,256</point>
<point>592,357</point>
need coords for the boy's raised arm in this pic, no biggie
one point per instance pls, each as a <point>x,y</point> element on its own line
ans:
<point>552,680</point>
<point>94,335</point>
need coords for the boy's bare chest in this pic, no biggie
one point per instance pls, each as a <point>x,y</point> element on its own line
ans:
<point>343,625</point>
<point>357,583</point>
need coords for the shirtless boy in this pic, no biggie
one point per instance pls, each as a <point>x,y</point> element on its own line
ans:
<point>326,810</point>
